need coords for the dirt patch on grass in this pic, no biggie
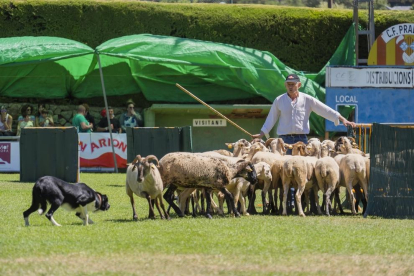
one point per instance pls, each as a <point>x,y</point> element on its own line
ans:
<point>181,264</point>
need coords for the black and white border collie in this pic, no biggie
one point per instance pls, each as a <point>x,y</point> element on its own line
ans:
<point>73,197</point>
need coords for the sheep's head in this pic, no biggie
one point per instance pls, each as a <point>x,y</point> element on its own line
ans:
<point>324,150</point>
<point>143,166</point>
<point>338,143</point>
<point>266,171</point>
<point>298,148</point>
<point>313,148</point>
<point>343,145</point>
<point>247,171</point>
<point>240,146</point>
<point>276,145</point>
<point>257,140</point>
<point>353,142</point>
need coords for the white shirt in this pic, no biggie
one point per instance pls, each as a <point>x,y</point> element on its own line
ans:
<point>294,115</point>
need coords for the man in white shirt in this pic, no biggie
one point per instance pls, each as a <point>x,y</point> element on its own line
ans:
<point>292,110</point>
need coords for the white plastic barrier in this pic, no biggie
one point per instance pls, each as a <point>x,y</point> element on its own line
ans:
<point>95,151</point>
<point>9,156</point>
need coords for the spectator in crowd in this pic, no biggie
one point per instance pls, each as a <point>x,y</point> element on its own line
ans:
<point>48,120</point>
<point>80,122</point>
<point>103,113</point>
<point>26,119</point>
<point>6,123</point>
<point>89,117</point>
<point>131,118</point>
<point>103,123</point>
<point>39,119</point>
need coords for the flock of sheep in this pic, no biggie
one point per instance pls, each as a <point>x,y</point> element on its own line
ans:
<point>233,176</point>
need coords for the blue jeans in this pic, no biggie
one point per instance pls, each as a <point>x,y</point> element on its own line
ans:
<point>291,139</point>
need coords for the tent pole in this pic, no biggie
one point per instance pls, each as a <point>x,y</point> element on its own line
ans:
<point>107,112</point>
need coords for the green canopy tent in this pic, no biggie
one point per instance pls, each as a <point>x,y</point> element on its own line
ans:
<point>44,67</point>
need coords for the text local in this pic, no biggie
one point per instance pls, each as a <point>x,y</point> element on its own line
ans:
<point>346,99</point>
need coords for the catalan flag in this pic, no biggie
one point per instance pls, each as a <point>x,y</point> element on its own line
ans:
<point>398,51</point>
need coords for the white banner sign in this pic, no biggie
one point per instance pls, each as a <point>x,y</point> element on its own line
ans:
<point>209,123</point>
<point>397,31</point>
<point>369,77</point>
<point>95,150</point>
<point>9,157</point>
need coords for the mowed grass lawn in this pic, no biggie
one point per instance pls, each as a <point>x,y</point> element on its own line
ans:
<point>255,245</point>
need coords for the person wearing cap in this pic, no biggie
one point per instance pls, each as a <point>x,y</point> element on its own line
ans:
<point>292,110</point>
<point>103,123</point>
<point>5,123</point>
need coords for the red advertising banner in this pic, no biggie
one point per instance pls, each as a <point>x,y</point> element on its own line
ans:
<point>95,150</point>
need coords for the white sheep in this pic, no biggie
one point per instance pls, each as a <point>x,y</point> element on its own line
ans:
<point>277,171</point>
<point>327,174</point>
<point>354,169</point>
<point>188,170</point>
<point>239,187</point>
<point>295,172</point>
<point>265,176</point>
<point>144,180</point>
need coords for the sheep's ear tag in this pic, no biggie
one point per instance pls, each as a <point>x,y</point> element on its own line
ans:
<point>229,145</point>
<point>153,166</point>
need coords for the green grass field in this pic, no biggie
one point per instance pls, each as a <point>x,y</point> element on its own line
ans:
<point>255,245</point>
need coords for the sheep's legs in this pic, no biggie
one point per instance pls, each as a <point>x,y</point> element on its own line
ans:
<point>298,196</point>
<point>184,195</point>
<point>230,198</point>
<point>266,189</point>
<point>315,194</point>
<point>131,197</point>
<point>251,209</point>
<point>338,200</point>
<point>364,185</point>
<point>351,196</point>
<point>151,213</point>
<point>168,196</point>
<point>208,200</point>
<point>328,204</point>
<point>158,202</point>
<point>285,195</point>
<point>203,196</point>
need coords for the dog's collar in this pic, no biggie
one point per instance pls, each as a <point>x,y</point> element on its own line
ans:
<point>100,201</point>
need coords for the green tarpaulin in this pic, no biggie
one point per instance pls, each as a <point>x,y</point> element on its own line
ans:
<point>42,67</point>
<point>48,67</point>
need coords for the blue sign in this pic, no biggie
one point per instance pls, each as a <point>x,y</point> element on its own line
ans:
<point>372,105</point>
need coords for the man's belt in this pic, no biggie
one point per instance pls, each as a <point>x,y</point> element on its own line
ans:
<point>293,135</point>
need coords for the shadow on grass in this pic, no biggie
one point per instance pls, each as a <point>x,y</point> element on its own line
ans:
<point>115,185</point>
<point>132,221</point>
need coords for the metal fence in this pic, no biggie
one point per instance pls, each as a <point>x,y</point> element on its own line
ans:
<point>391,182</point>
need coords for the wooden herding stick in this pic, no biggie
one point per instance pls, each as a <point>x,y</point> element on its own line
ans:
<point>212,109</point>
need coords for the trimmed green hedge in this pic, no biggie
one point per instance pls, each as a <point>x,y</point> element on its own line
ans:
<point>303,38</point>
